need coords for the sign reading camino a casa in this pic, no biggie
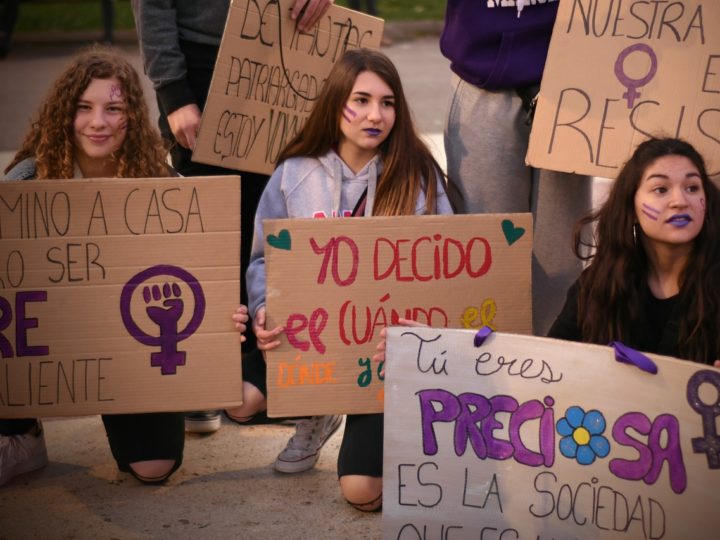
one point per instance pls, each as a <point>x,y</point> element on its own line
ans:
<point>116,295</point>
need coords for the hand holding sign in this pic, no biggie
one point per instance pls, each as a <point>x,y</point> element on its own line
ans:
<point>379,356</point>
<point>184,124</point>
<point>266,339</point>
<point>240,318</point>
<point>273,60</point>
<point>309,12</point>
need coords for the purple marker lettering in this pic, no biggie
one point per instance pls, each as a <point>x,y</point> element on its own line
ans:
<point>663,445</point>
<point>446,409</point>
<point>530,410</point>
<point>498,448</point>
<point>115,92</point>
<point>474,409</point>
<point>709,443</point>
<point>628,469</point>
<point>628,82</point>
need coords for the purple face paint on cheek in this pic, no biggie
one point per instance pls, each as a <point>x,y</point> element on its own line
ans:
<point>648,214</point>
<point>115,92</point>
<point>349,114</point>
<point>650,208</point>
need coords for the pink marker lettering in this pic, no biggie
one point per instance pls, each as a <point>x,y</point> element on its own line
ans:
<point>297,322</point>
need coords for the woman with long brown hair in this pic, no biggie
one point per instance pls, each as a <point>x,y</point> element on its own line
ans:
<point>357,155</point>
<point>652,279</point>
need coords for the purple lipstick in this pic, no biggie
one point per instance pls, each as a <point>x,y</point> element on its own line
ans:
<point>373,132</point>
<point>679,220</point>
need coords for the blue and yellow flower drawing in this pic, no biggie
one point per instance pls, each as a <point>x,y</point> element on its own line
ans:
<point>582,435</point>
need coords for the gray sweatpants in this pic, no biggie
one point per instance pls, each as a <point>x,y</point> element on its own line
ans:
<point>486,140</point>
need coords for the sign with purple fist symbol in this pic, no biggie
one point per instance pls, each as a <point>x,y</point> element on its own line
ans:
<point>620,72</point>
<point>164,306</point>
<point>116,296</point>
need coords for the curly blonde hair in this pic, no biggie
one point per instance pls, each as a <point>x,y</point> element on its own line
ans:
<point>51,136</point>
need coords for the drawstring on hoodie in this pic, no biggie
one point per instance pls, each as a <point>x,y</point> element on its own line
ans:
<point>520,4</point>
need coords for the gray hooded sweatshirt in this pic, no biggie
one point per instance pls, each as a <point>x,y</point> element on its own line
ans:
<point>304,187</point>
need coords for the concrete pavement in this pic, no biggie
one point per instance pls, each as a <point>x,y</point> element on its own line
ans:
<point>226,487</point>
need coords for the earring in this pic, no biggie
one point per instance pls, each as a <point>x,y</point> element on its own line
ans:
<point>635,233</point>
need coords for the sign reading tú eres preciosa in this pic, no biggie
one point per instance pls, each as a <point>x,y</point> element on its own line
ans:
<point>532,438</point>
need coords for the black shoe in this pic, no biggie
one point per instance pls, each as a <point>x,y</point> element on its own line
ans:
<point>202,421</point>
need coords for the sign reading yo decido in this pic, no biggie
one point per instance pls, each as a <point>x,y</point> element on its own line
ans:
<point>334,284</point>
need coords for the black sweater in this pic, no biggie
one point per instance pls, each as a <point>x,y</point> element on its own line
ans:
<point>657,332</point>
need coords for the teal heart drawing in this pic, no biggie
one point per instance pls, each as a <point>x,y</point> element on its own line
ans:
<point>511,232</point>
<point>281,241</point>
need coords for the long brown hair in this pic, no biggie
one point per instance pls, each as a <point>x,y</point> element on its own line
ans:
<point>609,300</point>
<point>408,165</point>
<point>51,136</point>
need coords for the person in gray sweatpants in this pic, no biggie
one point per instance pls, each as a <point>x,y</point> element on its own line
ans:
<point>497,54</point>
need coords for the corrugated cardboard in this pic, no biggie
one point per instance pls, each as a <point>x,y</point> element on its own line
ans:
<point>267,77</point>
<point>116,295</point>
<point>620,72</point>
<point>478,450</point>
<point>334,284</point>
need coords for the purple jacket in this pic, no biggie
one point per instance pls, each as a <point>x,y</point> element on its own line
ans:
<point>489,46</point>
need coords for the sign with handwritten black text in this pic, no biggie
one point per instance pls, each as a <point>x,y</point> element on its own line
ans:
<point>334,284</point>
<point>267,77</point>
<point>618,73</point>
<point>534,438</point>
<point>116,295</point>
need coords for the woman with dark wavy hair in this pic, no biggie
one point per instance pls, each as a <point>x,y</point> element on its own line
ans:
<point>95,123</point>
<point>652,279</point>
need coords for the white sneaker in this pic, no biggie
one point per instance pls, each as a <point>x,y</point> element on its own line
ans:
<point>303,449</point>
<point>22,453</point>
<point>202,421</point>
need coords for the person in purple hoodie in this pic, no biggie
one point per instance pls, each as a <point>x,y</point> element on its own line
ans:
<point>497,50</point>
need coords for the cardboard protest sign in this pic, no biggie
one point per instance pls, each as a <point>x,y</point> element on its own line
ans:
<point>620,72</point>
<point>333,284</point>
<point>267,77</point>
<point>116,296</point>
<point>524,437</point>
